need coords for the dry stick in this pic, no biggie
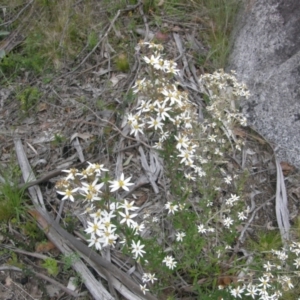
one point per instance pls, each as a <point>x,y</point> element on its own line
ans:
<point>42,276</point>
<point>145,22</point>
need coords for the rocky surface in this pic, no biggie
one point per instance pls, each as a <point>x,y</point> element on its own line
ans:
<point>266,56</point>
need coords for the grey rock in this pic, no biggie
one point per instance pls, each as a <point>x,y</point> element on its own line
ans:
<point>266,56</point>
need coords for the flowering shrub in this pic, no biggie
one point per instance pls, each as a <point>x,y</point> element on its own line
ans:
<point>203,224</point>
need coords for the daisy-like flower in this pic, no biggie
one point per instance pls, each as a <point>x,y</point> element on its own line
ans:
<point>212,138</point>
<point>268,266</point>
<point>182,142</point>
<point>71,174</point>
<point>95,241</point>
<point>68,194</point>
<point>170,262</point>
<point>97,168</point>
<point>90,197</point>
<point>189,176</point>
<point>128,219</point>
<point>93,188</point>
<point>171,207</point>
<point>297,263</point>
<point>187,157</point>
<point>120,183</point>
<point>170,95</point>
<point>97,214</point>
<point>136,128</point>
<point>144,288</point>
<point>128,206</point>
<point>151,277</point>
<point>227,222</point>
<point>137,249</point>
<point>156,123</point>
<point>152,60</point>
<point>180,236</point>
<point>237,292</point>
<point>242,216</point>
<point>201,228</point>
<point>94,228</point>
<point>228,179</point>
<point>252,290</point>
<point>264,282</point>
<point>162,111</point>
<point>138,227</point>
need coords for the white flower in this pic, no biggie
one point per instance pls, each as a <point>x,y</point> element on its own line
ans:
<point>264,282</point>
<point>228,179</point>
<point>227,222</point>
<point>182,141</point>
<point>237,292</point>
<point>144,289</point>
<point>121,183</point>
<point>93,188</point>
<point>97,214</point>
<point>71,173</point>
<point>137,249</point>
<point>68,194</point>
<point>138,227</point>
<point>201,228</point>
<point>153,60</point>
<point>170,262</point>
<point>97,168</point>
<point>94,240</point>
<point>268,266</point>
<point>251,289</point>
<point>156,123</point>
<point>186,156</point>
<point>241,216</point>
<point>162,111</point>
<point>297,262</point>
<point>128,219</point>
<point>212,137</point>
<point>180,236</point>
<point>171,207</point>
<point>94,227</point>
<point>189,176</point>
<point>149,277</point>
<point>136,128</point>
<point>128,206</point>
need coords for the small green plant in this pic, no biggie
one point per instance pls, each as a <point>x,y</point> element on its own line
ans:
<point>122,63</point>
<point>51,266</point>
<point>59,139</point>
<point>28,97</point>
<point>69,260</point>
<point>12,199</point>
<point>14,261</point>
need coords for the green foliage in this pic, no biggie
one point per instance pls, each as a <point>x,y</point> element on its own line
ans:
<point>14,261</point>
<point>11,200</point>
<point>69,260</point>
<point>31,229</point>
<point>92,40</point>
<point>122,63</point>
<point>28,97</point>
<point>266,241</point>
<point>51,266</point>
<point>58,140</point>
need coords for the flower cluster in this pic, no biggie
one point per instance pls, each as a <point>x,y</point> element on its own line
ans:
<point>268,286</point>
<point>86,186</point>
